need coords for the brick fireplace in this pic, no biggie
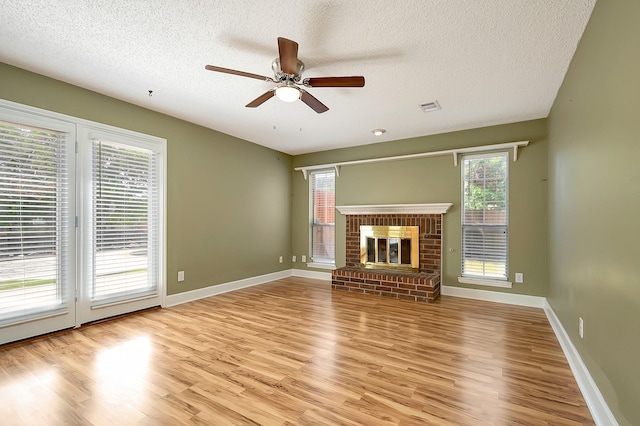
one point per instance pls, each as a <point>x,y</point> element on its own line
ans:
<point>421,284</point>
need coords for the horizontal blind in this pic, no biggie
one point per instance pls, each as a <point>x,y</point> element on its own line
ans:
<point>485,216</point>
<point>34,215</point>
<point>323,216</point>
<point>125,221</point>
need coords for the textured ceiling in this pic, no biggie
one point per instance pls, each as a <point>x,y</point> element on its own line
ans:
<point>486,62</point>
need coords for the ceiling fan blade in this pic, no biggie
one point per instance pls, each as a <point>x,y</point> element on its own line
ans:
<point>315,104</point>
<point>353,81</point>
<point>288,51</point>
<point>236,72</point>
<point>261,99</point>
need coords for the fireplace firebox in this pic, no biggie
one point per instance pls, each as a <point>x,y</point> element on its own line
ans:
<point>390,247</point>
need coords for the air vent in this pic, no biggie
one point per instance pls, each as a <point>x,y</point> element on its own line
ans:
<point>430,106</point>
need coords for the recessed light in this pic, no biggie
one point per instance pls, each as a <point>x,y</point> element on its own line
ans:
<point>378,132</point>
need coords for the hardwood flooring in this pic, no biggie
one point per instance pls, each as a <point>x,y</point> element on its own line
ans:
<point>292,352</point>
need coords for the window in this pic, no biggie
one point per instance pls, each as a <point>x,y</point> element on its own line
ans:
<point>323,214</point>
<point>124,244</point>
<point>34,222</point>
<point>485,216</point>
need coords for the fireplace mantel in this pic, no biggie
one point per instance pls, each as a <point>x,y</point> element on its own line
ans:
<point>431,208</point>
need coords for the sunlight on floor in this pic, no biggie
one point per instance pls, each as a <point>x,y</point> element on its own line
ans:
<point>122,369</point>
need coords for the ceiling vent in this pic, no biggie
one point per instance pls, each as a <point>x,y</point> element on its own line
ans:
<point>430,106</point>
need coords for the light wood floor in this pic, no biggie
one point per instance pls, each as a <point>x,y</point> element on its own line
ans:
<point>293,352</point>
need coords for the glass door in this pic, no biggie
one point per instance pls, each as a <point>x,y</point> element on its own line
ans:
<point>120,224</point>
<point>37,233</point>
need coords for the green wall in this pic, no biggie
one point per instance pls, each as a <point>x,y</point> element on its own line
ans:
<point>223,192</point>
<point>228,200</point>
<point>435,180</point>
<point>594,203</point>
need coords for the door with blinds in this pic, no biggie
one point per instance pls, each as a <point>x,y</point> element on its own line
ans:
<point>120,224</point>
<point>37,234</point>
<point>81,221</point>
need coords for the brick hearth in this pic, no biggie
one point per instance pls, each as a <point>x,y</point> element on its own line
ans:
<point>419,287</point>
<point>423,285</point>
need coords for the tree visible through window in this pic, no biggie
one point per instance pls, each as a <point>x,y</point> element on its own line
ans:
<point>485,216</point>
<point>323,216</point>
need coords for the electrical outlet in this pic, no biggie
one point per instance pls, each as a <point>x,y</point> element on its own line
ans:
<point>280,259</point>
<point>180,276</point>
<point>519,277</point>
<point>304,258</point>
<point>293,258</point>
<point>581,328</point>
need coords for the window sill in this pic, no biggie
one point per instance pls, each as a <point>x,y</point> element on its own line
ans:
<point>485,282</point>
<point>317,265</point>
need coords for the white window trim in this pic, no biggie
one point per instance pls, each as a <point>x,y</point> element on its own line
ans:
<point>322,265</point>
<point>318,264</point>
<point>485,282</point>
<point>481,281</point>
<point>62,316</point>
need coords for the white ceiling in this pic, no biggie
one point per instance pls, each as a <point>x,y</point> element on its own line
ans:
<point>487,62</point>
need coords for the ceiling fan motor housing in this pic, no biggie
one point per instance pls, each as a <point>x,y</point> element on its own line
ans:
<point>282,76</point>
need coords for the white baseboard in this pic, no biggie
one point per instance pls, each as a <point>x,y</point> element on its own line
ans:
<point>201,293</point>
<point>304,273</point>
<point>600,411</point>
<point>494,296</point>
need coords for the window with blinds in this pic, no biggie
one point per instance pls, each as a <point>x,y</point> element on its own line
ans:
<point>323,216</point>
<point>34,216</point>
<point>485,216</point>
<point>125,222</point>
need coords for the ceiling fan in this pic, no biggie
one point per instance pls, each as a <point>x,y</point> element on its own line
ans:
<point>287,70</point>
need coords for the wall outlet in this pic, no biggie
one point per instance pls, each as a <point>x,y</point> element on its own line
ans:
<point>293,258</point>
<point>581,328</point>
<point>180,276</point>
<point>280,259</point>
<point>519,277</point>
<point>304,258</point>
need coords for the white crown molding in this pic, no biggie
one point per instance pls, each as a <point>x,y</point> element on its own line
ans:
<point>431,208</point>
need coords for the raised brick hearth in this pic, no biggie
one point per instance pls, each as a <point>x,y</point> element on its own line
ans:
<point>423,285</point>
<point>419,287</point>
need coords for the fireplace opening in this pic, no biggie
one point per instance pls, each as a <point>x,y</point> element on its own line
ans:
<point>389,247</point>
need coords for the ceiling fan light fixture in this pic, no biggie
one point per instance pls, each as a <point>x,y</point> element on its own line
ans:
<point>288,93</point>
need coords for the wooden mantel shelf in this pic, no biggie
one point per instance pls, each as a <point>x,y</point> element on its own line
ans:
<point>431,208</point>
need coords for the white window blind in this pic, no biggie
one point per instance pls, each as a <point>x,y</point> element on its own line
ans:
<point>125,222</point>
<point>34,216</point>
<point>323,216</point>
<point>485,216</point>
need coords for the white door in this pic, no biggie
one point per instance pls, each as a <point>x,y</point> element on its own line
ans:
<point>81,221</point>
<point>119,224</point>
<point>37,234</point>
